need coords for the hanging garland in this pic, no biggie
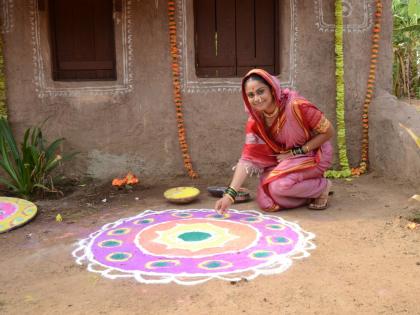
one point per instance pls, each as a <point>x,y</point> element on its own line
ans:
<point>177,97</point>
<point>340,96</point>
<point>341,138</point>
<point>376,31</point>
<point>3,107</point>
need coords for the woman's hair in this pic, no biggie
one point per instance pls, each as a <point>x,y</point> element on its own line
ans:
<point>256,77</point>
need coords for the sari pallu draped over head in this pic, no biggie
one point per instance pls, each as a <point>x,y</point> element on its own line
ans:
<point>290,129</point>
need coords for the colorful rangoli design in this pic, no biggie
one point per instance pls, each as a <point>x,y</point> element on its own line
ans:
<point>15,212</point>
<point>193,246</point>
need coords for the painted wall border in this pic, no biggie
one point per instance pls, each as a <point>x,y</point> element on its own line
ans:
<point>44,88</point>
<point>199,85</point>
<point>7,7</point>
<point>361,27</point>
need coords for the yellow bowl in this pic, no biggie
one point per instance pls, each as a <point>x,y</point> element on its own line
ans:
<point>181,194</point>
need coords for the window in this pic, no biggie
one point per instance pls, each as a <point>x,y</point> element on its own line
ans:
<point>82,40</point>
<point>234,36</point>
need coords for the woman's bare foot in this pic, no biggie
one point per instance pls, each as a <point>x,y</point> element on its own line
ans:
<point>321,202</point>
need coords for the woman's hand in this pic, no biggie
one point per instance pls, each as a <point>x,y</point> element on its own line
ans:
<point>223,204</point>
<point>282,156</point>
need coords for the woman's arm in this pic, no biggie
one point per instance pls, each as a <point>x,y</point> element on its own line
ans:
<point>238,179</point>
<point>319,139</point>
<point>314,143</point>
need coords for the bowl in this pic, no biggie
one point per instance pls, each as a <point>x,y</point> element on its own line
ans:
<point>181,194</point>
<point>216,191</point>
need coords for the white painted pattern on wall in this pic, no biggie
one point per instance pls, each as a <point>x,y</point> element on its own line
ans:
<point>45,88</point>
<point>7,7</point>
<point>362,16</point>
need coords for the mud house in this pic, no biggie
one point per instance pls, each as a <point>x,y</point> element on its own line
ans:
<point>101,72</point>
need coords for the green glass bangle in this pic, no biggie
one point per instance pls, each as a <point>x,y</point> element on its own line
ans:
<point>232,192</point>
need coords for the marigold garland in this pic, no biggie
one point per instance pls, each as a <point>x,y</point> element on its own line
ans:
<point>177,97</point>
<point>3,106</point>
<point>376,31</point>
<point>363,166</point>
<point>340,96</point>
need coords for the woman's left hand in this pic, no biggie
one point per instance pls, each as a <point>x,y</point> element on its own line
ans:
<point>282,156</point>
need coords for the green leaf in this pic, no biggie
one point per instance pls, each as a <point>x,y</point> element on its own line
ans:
<point>5,162</point>
<point>6,133</point>
<point>53,147</point>
<point>407,29</point>
<point>412,8</point>
<point>8,184</point>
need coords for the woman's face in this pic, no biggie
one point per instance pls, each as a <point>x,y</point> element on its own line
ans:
<point>259,96</point>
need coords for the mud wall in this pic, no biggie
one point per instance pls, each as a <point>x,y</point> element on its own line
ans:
<point>393,153</point>
<point>129,124</point>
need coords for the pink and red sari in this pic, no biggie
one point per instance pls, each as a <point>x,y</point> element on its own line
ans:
<point>295,180</point>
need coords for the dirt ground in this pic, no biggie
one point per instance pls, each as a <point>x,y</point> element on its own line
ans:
<point>366,261</point>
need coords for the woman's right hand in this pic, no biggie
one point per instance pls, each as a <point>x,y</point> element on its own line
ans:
<point>223,204</point>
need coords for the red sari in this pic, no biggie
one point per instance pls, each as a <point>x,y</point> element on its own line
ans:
<point>295,180</point>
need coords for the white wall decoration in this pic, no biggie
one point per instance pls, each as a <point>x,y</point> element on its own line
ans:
<point>45,87</point>
<point>7,7</point>
<point>356,13</point>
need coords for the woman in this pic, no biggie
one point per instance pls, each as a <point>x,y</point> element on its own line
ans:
<point>286,143</point>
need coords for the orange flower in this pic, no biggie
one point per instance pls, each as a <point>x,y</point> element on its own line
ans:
<point>118,182</point>
<point>130,179</point>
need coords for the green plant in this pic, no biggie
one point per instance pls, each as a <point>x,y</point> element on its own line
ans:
<point>28,168</point>
<point>406,48</point>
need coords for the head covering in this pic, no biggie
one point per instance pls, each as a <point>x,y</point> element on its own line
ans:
<point>280,95</point>
<point>255,123</point>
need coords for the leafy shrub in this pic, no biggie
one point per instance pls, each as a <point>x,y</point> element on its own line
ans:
<point>28,169</point>
<point>406,48</point>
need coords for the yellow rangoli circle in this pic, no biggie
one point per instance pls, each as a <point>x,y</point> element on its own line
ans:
<point>15,212</point>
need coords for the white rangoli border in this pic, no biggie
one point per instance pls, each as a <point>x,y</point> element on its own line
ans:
<point>275,265</point>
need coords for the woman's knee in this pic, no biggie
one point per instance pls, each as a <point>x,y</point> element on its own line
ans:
<point>281,186</point>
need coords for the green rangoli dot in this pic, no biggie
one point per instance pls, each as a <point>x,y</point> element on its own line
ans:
<point>281,239</point>
<point>213,264</point>
<point>111,243</point>
<point>194,236</point>
<point>262,254</point>
<point>119,256</point>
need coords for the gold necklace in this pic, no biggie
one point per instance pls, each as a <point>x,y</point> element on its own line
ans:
<point>273,114</point>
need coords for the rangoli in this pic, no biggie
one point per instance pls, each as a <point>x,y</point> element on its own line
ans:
<point>193,246</point>
<point>15,212</point>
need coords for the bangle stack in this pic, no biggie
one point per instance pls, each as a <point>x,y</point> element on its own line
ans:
<point>231,193</point>
<point>297,151</point>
